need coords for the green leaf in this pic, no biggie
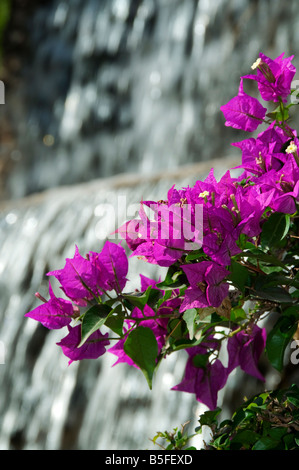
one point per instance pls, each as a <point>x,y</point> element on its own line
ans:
<point>294,401</point>
<point>200,360</point>
<point>239,416</point>
<point>256,254</point>
<point>277,433</point>
<point>280,114</point>
<point>275,294</point>
<point>287,225</point>
<point>295,294</point>
<point>237,314</point>
<point>93,319</point>
<point>184,344</point>
<point>115,320</point>
<point>171,278</point>
<point>209,418</point>
<point>294,389</point>
<point>140,299</point>
<point>246,437</point>
<point>141,346</point>
<point>195,255</point>
<point>239,276</point>
<point>290,443</point>
<point>177,329</point>
<point>276,279</point>
<point>189,317</point>
<point>167,295</point>
<point>265,443</point>
<point>274,230</point>
<point>280,336</point>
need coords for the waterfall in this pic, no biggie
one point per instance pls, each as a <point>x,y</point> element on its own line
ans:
<point>113,86</point>
<point>116,101</point>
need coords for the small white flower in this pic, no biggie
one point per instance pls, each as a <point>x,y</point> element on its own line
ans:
<point>204,194</point>
<point>292,148</point>
<point>256,63</point>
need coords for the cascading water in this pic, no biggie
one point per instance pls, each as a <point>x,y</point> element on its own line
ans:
<point>109,87</point>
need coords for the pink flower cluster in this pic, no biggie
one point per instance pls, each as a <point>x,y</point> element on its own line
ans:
<point>83,280</point>
<point>229,208</point>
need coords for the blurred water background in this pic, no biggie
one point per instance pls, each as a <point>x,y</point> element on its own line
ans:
<point>107,102</point>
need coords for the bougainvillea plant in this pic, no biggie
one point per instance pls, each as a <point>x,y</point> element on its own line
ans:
<point>230,251</point>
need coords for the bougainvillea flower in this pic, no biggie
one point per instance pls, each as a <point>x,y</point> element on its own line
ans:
<point>249,204</point>
<point>221,249</point>
<point>53,314</point>
<point>112,266</point>
<point>82,278</point>
<point>139,235</point>
<point>164,255</point>
<point>78,278</point>
<point>180,224</point>
<point>267,151</point>
<point>244,350</point>
<point>206,286</point>
<point>204,382</point>
<point>258,158</point>
<point>283,186</point>
<point>130,232</point>
<point>243,111</point>
<point>146,282</point>
<point>208,192</point>
<point>145,251</point>
<point>93,348</point>
<point>220,235</point>
<point>274,77</point>
<point>169,234</point>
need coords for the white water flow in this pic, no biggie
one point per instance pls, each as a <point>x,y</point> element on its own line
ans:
<point>110,87</point>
